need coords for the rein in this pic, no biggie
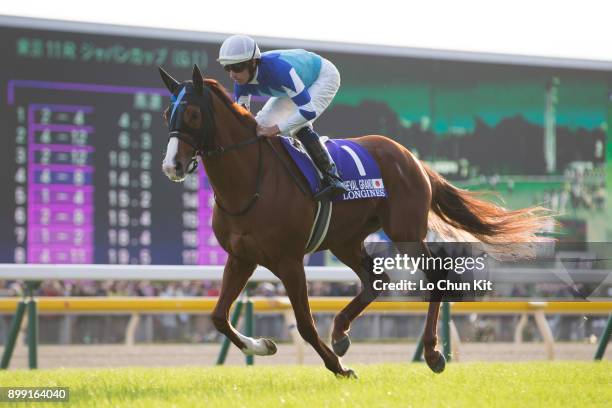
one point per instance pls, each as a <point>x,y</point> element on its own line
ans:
<point>220,150</point>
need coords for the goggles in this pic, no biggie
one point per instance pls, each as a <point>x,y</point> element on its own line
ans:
<point>239,67</point>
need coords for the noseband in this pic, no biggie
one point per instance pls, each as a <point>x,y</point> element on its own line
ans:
<point>197,139</point>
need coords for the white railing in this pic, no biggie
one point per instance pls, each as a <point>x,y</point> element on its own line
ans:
<point>38,272</point>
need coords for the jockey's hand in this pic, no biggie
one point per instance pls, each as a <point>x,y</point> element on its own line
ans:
<point>268,130</point>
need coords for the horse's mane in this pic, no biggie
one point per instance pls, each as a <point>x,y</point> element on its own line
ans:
<point>239,112</point>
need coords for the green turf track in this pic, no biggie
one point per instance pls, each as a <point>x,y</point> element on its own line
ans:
<point>534,384</point>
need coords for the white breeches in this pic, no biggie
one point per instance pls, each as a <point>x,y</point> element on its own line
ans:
<point>322,92</point>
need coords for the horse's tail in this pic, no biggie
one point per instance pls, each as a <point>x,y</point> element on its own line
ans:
<point>484,220</point>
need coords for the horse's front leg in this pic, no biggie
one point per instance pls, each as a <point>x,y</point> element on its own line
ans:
<point>235,276</point>
<point>291,273</point>
<point>356,258</point>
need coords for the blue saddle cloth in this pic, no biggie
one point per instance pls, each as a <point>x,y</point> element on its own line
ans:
<point>358,169</point>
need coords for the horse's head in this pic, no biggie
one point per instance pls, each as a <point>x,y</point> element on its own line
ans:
<point>190,124</point>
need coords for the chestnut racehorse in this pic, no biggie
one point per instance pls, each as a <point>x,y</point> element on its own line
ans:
<point>262,216</point>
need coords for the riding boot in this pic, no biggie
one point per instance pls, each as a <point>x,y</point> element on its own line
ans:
<point>332,183</point>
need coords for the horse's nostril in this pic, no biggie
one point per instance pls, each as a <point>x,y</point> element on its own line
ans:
<point>179,169</point>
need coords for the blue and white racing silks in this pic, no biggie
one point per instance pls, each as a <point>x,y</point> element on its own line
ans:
<point>284,73</point>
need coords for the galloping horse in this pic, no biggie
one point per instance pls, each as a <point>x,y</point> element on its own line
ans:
<point>262,217</point>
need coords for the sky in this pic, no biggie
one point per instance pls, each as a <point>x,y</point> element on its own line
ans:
<point>561,28</point>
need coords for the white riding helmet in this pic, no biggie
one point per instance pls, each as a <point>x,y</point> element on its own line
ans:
<point>238,48</point>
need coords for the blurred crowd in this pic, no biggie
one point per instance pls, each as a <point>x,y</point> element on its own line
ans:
<point>164,289</point>
<point>583,189</point>
<point>209,288</point>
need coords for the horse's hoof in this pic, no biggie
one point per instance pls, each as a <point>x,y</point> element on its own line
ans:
<point>270,345</point>
<point>439,365</point>
<point>341,346</point>
<point>348,373</point>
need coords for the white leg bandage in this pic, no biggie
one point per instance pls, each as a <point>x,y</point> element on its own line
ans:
<point>258,347</point>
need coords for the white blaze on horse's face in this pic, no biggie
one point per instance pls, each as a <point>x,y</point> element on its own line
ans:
<point>169,163</point>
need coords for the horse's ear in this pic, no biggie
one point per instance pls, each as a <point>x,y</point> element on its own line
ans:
<point>198,80</point>
<point>171,83</point>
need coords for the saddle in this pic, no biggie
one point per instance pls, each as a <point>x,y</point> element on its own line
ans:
<point>359,172</point>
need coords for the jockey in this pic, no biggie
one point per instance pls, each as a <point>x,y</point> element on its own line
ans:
<point>301,85</point>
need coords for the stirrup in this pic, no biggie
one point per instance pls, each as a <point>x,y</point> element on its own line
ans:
<point>331,188</point>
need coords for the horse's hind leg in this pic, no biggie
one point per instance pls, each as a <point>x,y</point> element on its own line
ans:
<point>435,360</point>
<point>355,257</point>
<point>406,222</point>
<point>291,273</point>
<point>235,276</point>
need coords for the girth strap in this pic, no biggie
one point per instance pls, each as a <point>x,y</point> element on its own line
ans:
<point>320,225</point>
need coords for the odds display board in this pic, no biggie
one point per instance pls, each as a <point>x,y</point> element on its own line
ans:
<point>81,154</point>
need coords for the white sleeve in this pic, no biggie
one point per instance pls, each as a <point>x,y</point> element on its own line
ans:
<point>245,100</point>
